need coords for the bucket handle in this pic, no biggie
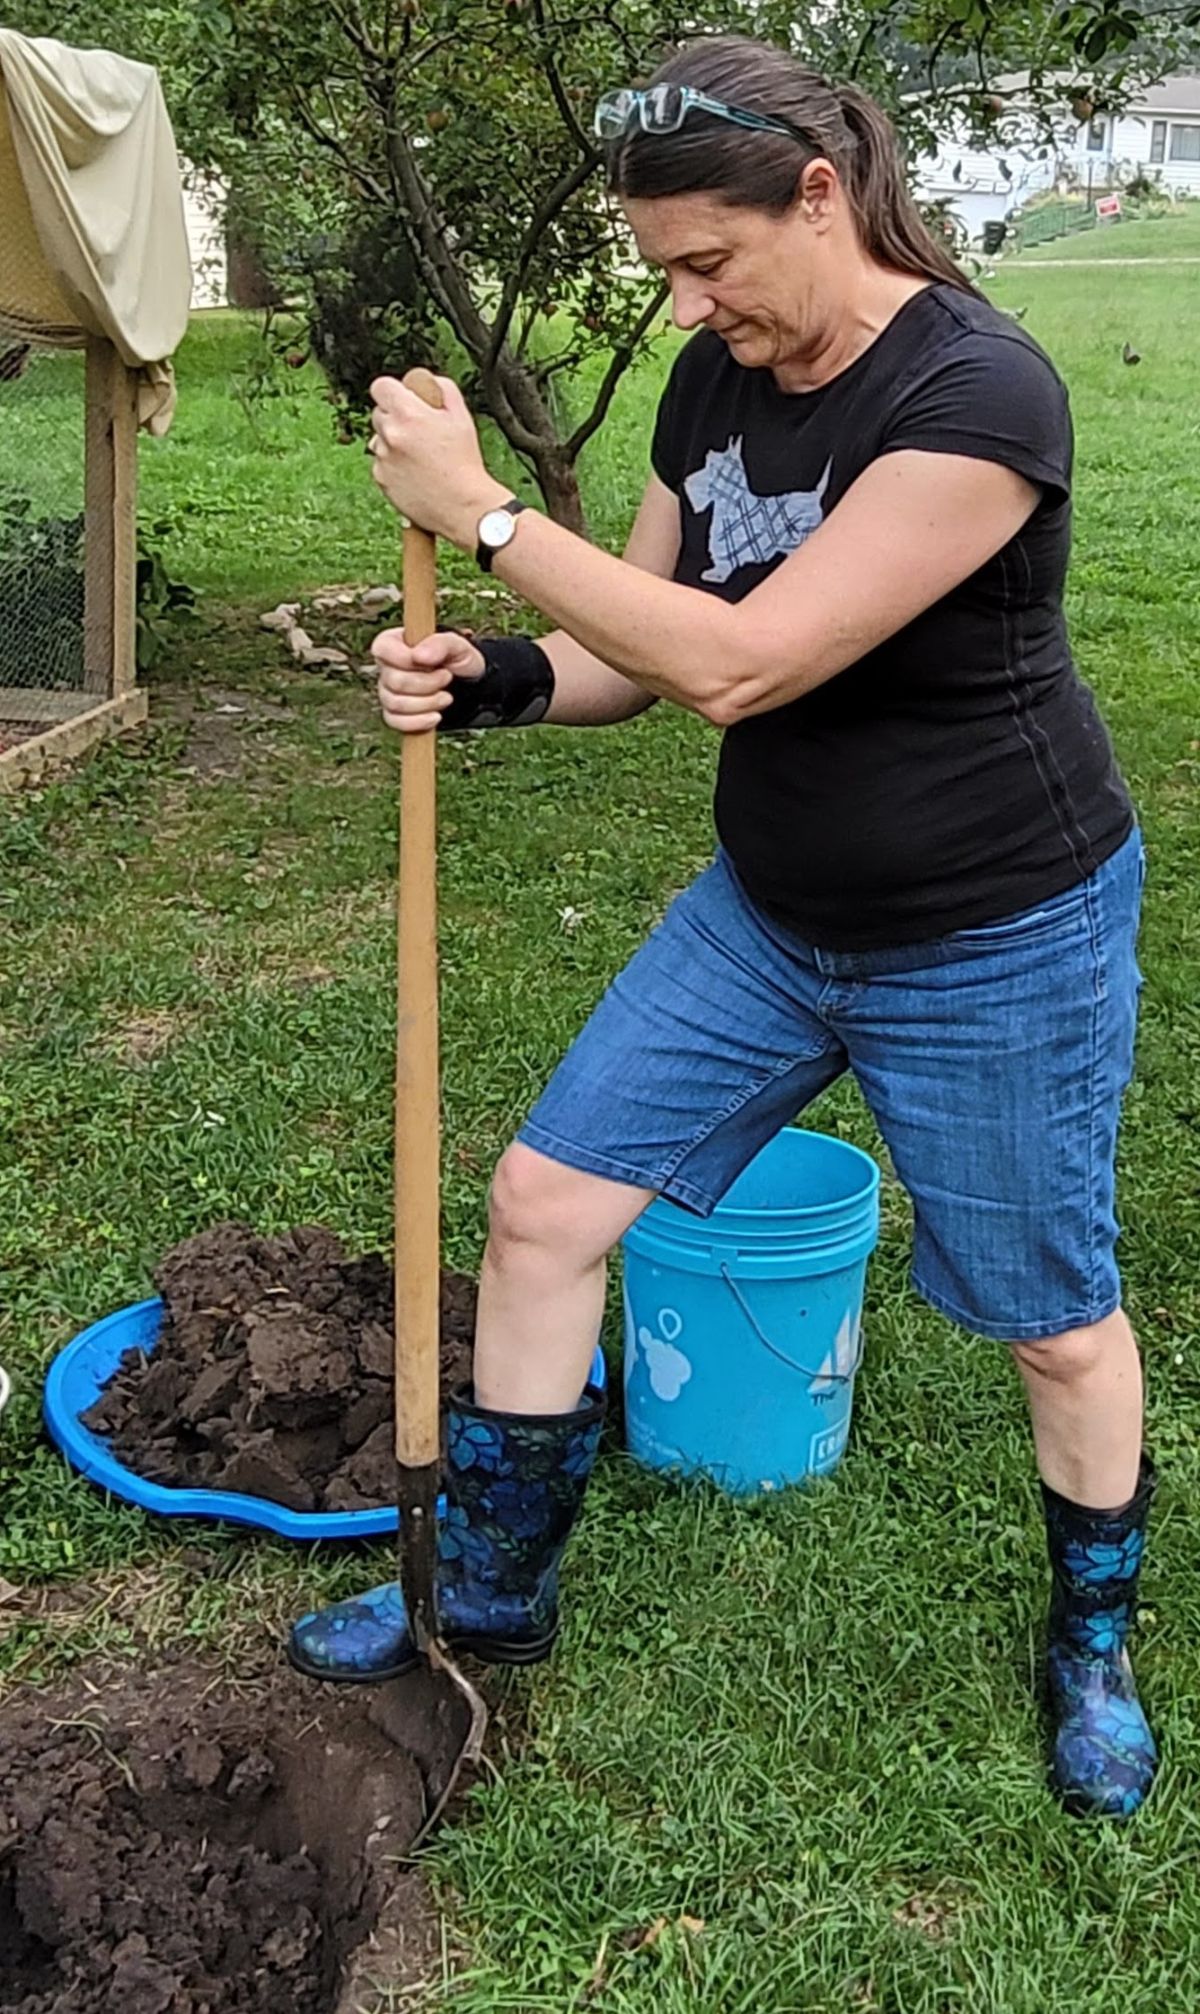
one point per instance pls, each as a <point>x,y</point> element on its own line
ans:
<point>814,1377</point>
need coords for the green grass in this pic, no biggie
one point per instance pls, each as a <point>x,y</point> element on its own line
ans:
<point>261,500</point>
<point>806,1723</point>
<point>1173,236</point>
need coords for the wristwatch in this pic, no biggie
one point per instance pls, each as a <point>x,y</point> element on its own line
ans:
<point>496,528</point>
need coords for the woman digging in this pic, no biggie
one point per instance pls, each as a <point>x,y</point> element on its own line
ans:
<point>850,558</point>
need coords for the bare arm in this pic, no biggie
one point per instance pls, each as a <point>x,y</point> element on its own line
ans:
<point>912,527</point>
<point>415,682</point>
<point>587,691</point>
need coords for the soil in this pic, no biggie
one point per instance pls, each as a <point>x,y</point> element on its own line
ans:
<point>273,1375</point>
<point>170,1846</point>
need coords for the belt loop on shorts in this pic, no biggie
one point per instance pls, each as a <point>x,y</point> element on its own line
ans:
<point>844,964</point>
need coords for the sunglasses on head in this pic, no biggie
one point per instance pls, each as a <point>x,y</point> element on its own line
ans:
<point>664,107</point>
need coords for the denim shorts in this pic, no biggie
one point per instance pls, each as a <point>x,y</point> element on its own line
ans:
<point>993,1060</point>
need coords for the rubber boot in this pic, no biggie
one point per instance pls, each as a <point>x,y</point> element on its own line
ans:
<point>1104,1753</point>
<point>514,1487</point>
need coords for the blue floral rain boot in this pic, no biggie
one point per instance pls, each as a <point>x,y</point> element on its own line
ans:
<point>514,1486</point>
<point>1104,1753</point>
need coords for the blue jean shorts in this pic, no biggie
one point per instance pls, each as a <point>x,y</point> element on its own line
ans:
<point>993,1060</point>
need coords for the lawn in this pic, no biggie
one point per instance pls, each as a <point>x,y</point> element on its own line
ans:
<point>805,1723</point>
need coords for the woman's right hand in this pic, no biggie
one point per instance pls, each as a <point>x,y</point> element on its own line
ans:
<point>414,680</point>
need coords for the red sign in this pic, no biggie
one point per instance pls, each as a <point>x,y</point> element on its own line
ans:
<point>1108,206</point>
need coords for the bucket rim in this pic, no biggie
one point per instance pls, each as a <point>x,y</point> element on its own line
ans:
<point>734,1212</point>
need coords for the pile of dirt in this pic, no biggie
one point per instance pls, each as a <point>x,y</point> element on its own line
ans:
<point>273,1375</point>
<point>168,1847</point>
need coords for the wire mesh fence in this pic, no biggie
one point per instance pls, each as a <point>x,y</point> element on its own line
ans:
<point>42,439</point>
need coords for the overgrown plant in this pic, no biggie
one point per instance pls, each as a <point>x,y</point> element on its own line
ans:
<point>42,595</point>
<point>162,603</point>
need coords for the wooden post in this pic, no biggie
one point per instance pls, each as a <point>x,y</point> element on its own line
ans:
<point>110,524</point>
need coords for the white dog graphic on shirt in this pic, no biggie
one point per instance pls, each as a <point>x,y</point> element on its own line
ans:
<point>749,530</point>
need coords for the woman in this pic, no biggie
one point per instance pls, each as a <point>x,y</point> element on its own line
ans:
<point>850,558</point>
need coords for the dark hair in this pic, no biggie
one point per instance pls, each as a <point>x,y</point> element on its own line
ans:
<point>760,170</point>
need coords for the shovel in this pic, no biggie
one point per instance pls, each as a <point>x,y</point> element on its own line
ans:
<point>418,1140</point>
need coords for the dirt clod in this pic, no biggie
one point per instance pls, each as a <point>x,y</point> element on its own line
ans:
<point>273,1372</point>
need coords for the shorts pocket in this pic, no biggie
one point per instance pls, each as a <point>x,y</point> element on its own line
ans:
<point>1025,928</point>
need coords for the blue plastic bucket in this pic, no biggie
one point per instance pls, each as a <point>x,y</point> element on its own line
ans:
<point>742,1330</point>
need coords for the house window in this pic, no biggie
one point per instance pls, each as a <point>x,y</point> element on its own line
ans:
<point>1185,143</point>
<point>1097,135</point>
<point>1158,140</point>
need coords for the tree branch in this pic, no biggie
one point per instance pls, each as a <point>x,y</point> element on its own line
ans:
<point>566,111</point>
<point>618,363</point>
<point>436,42</point>
<point>362,176</point>
<point>351,24</point>
<point>428,235</point>
<point>620,33</point>
<point>549,207</point>
<point>935,54</point>
<point>526,329</point>
<point>566,362</point>
<point>449,289</point>
<point>864,42</point>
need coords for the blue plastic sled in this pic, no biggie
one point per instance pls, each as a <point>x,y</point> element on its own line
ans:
<point>75,1381</point>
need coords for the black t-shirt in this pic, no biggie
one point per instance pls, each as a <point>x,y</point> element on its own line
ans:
<point>960,772</point>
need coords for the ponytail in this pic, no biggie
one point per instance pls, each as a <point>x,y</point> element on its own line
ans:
<point>889,223</point>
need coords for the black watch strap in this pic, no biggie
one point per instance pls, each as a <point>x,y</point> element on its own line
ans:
<point>485,554</point>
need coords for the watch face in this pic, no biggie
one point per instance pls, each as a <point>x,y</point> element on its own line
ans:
<point>496,527</point>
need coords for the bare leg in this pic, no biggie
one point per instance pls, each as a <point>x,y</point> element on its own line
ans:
<point>1085,1401</point>
<point>541,1288</point>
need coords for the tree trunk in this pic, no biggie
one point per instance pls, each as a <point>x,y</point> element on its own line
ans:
<point>524,416</point>
<point>248,284</point>
<point>559,485</point>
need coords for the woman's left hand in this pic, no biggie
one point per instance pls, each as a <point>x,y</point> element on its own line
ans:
<point>427,460</point>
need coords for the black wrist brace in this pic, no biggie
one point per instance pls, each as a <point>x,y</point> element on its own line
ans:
<point>515,690</point>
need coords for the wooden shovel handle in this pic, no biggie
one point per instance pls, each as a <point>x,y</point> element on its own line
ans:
<point>418,1131</point>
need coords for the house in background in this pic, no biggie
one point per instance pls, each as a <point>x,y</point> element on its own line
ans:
<point>204,214</point>
<point>1158,135</point>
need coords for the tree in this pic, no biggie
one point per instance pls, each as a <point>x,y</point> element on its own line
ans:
<point>426,168</point>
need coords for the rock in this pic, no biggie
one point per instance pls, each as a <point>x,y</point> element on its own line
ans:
<point>297,1375</point>
<point>281,618</point>
<point>200,1762</point>
<point>299,640</point>
<point>139,1983</point>
<point>369,1476</point>
<point>313,659</point>
<point>379,597</point>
